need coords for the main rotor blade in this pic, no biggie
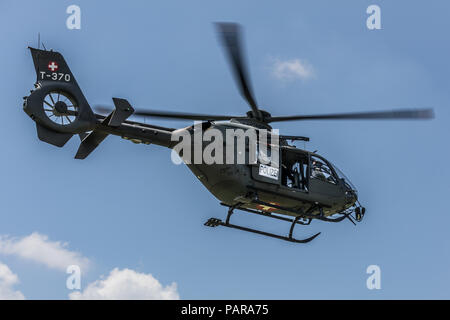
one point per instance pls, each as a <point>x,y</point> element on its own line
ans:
<point>171,115</point>
<point>230,35</point>
<point>377,115</point>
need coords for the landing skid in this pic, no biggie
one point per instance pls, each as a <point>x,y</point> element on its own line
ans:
<point>214,222</point>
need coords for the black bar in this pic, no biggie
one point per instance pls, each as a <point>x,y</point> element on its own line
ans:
<point>228,309</point>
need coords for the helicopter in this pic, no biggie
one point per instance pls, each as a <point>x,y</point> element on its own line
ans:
<point>303,186</point>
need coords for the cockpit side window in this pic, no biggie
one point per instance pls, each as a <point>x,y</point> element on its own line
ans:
<point>320,170</point>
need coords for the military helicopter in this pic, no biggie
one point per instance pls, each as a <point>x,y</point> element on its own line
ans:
<point>303,187</point>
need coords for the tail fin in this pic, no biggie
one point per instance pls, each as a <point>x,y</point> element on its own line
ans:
<point>57,104</point>
<point>51,66</point>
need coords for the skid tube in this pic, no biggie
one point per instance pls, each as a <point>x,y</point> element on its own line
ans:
<point>214,222</point>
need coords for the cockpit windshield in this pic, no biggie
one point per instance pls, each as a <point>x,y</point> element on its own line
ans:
<point>342,176</point>
<point>321,171</point>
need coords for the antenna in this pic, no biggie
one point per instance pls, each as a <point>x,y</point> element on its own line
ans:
<point>39,42</point>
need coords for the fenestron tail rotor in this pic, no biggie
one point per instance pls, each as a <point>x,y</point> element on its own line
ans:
<point>56,103</point>
<point>60,107</point>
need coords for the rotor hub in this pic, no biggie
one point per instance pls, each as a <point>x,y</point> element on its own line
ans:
<point>60,108</point>
<point>264,115</point>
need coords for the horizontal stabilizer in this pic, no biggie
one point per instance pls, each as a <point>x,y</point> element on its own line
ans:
<point>88,144</point>
<point>121,113</point>
<point>55,138</point>
<point>83,135</point>
<point>91,141</point>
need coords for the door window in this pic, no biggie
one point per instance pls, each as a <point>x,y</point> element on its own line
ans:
<point>294,170</point>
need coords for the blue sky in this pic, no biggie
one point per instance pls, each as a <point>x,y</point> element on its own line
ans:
<point>127,207</point>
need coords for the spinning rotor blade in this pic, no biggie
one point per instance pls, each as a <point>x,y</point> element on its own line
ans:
<point>230,35</point>
<point>377,115</point>
<point>172,115</point>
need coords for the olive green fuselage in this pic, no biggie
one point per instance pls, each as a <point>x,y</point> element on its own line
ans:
<point>241,183</point>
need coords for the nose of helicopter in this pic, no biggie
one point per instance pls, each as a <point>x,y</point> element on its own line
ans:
<point>352,196</point>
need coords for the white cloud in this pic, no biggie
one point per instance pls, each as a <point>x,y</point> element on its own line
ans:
<point>7,280</point>
<point>127,284</point>
<point>293,69</point>
<point>38,248</point>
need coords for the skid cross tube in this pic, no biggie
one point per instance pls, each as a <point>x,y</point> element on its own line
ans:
<point>214,222</point>
<point>270,215</point>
